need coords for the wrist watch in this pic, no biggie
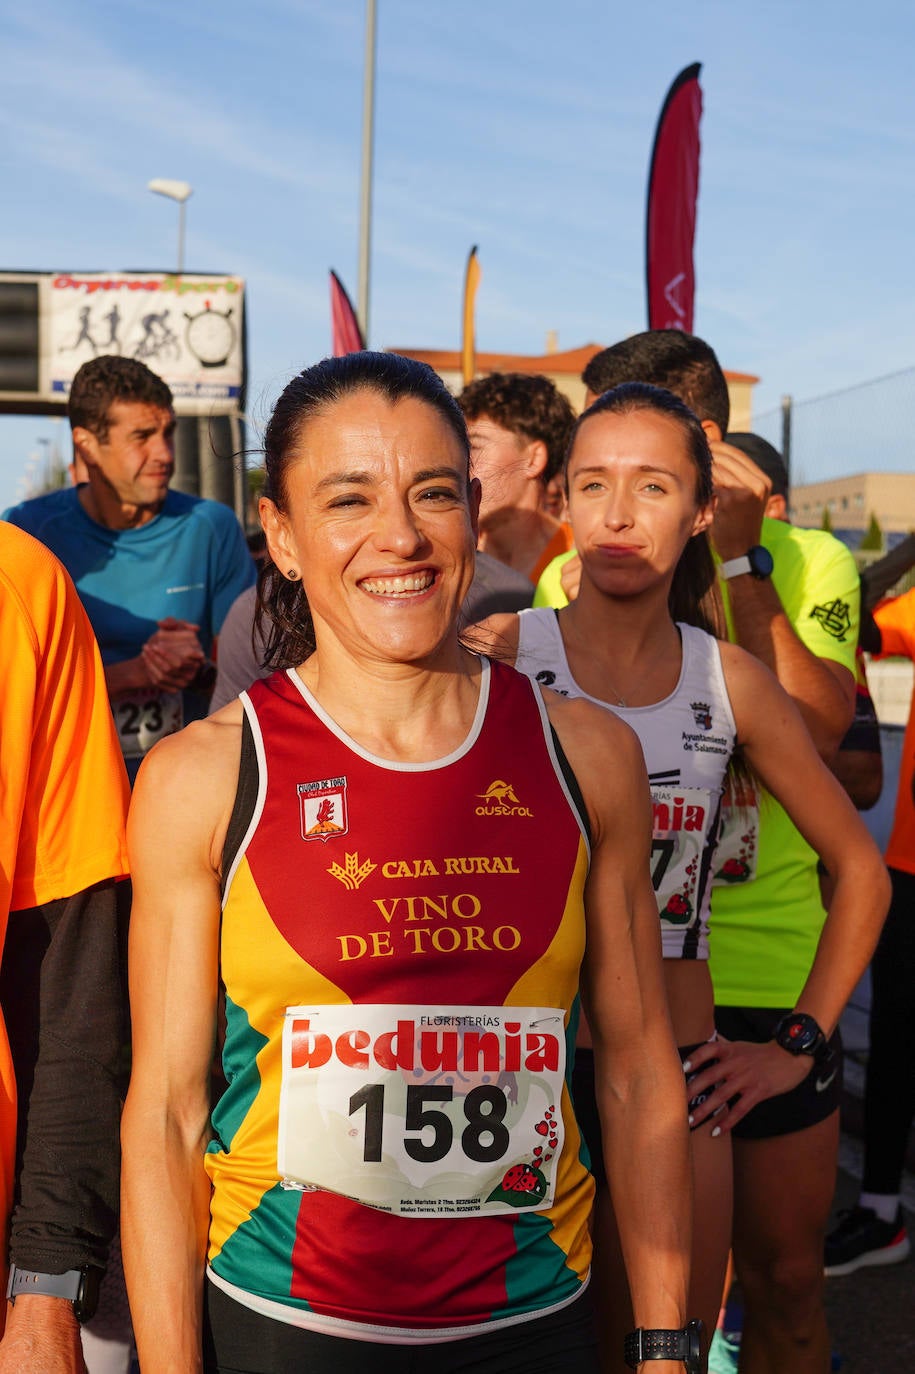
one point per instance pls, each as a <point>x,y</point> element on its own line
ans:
<point>684,1344</point>
<point>79,1286</point>
<point>799,1034</point>
<point>758,562</point>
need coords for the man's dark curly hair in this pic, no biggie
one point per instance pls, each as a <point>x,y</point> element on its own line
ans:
<point>524,404</point>
<point>669,358</point>
<point>102,381</point>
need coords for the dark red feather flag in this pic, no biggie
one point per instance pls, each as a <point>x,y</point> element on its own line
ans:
<point>346,335</point>
<point>670,222</point>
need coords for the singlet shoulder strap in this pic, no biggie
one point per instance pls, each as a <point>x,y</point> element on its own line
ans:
<point>572,784</point>
<point>540,645</point>
<point>246,795</point>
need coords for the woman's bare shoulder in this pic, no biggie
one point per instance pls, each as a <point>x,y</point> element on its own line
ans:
<point>744,673</point>
<point>496,636</point>
<point>584,723</point>
<point>605,755</point>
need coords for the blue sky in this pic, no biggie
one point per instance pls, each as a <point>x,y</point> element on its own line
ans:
<point>520,125</point>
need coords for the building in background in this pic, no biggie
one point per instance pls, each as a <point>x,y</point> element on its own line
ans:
<point>852,502</point>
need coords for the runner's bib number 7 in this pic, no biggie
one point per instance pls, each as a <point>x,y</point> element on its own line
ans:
<point>680,821</point>
<point>424,1111</point>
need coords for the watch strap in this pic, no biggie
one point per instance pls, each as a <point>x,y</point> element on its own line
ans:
<point>78,1286</point>
<point>757,561</point>
<point>660,1344</point>
<point>24,1281</point>
<point>735,567</point>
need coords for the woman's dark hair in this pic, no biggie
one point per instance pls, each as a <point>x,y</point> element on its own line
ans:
<point>283,620</point>
<point>694,596</point>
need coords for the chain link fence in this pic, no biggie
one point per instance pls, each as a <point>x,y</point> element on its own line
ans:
<point>865,428</point>
<point>868,428</point>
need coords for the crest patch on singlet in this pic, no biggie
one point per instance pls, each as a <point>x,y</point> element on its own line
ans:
<point>322,807</point>
<point>701,714</point>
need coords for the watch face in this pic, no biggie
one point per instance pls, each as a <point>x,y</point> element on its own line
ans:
<point>761,561</point>
<point>799,1035</point>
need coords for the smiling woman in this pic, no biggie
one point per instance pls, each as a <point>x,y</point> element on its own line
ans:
<point>395,1162</point>
<point>333,494</point>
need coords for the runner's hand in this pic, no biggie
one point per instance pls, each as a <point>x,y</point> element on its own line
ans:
<point>745,1071</point>
<point>177,637</point>
<point>170,669</point>
<point>570,577</point>
<point>41,1337</point>
<point>742,490</point>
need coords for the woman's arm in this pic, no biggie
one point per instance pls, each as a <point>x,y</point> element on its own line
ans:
<point>639,1080</point>
<point>781,752</point>
<point>179,812</point>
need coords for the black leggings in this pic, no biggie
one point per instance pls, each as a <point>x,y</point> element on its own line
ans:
<point>889,1097</point>
<point>239,1341</point>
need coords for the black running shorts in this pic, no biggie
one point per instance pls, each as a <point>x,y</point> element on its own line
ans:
<point>240,1341</point>
<point>805,1105</point>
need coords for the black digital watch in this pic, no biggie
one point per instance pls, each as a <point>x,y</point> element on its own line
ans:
<point>662,1344</point>
<point>798,1033</point>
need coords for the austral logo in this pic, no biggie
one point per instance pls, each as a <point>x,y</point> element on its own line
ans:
<point>701,714</point>
<point>835,617</point>
<point>322,808</point>
<point>499,800</point>
<point>352,874</point>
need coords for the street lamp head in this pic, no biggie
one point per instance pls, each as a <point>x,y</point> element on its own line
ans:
<point>175,190</point>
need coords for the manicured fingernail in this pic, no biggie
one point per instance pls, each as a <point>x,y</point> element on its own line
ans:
<point>689,1120</point>
<point>687,1066</point>
<point>716,1131</point>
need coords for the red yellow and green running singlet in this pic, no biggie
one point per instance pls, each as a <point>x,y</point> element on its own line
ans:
<point>396,1157</point>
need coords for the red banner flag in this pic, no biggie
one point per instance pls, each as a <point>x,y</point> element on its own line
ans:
<point>670,221</point>
<point>346,335</point>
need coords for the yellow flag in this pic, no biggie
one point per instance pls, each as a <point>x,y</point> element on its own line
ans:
<point>468,340</point>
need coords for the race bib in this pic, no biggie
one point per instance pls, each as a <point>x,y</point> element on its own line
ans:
<point>679,828</point>
<point>738,836</point>
<point>143,718</point>
<point>424,1111</point>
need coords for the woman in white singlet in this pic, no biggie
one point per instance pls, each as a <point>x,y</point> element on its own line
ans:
<point>639,640</point>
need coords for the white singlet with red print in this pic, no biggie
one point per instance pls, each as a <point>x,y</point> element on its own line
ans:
<point>687,740</point>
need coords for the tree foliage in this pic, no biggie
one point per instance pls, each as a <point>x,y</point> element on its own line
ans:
<point>873,535</point>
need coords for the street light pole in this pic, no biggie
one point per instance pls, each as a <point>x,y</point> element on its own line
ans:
<point>365,193</point>
<point>182,210</point>
<point>181,192</point>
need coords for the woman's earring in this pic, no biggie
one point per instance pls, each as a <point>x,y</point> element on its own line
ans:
<point>292,575</point>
